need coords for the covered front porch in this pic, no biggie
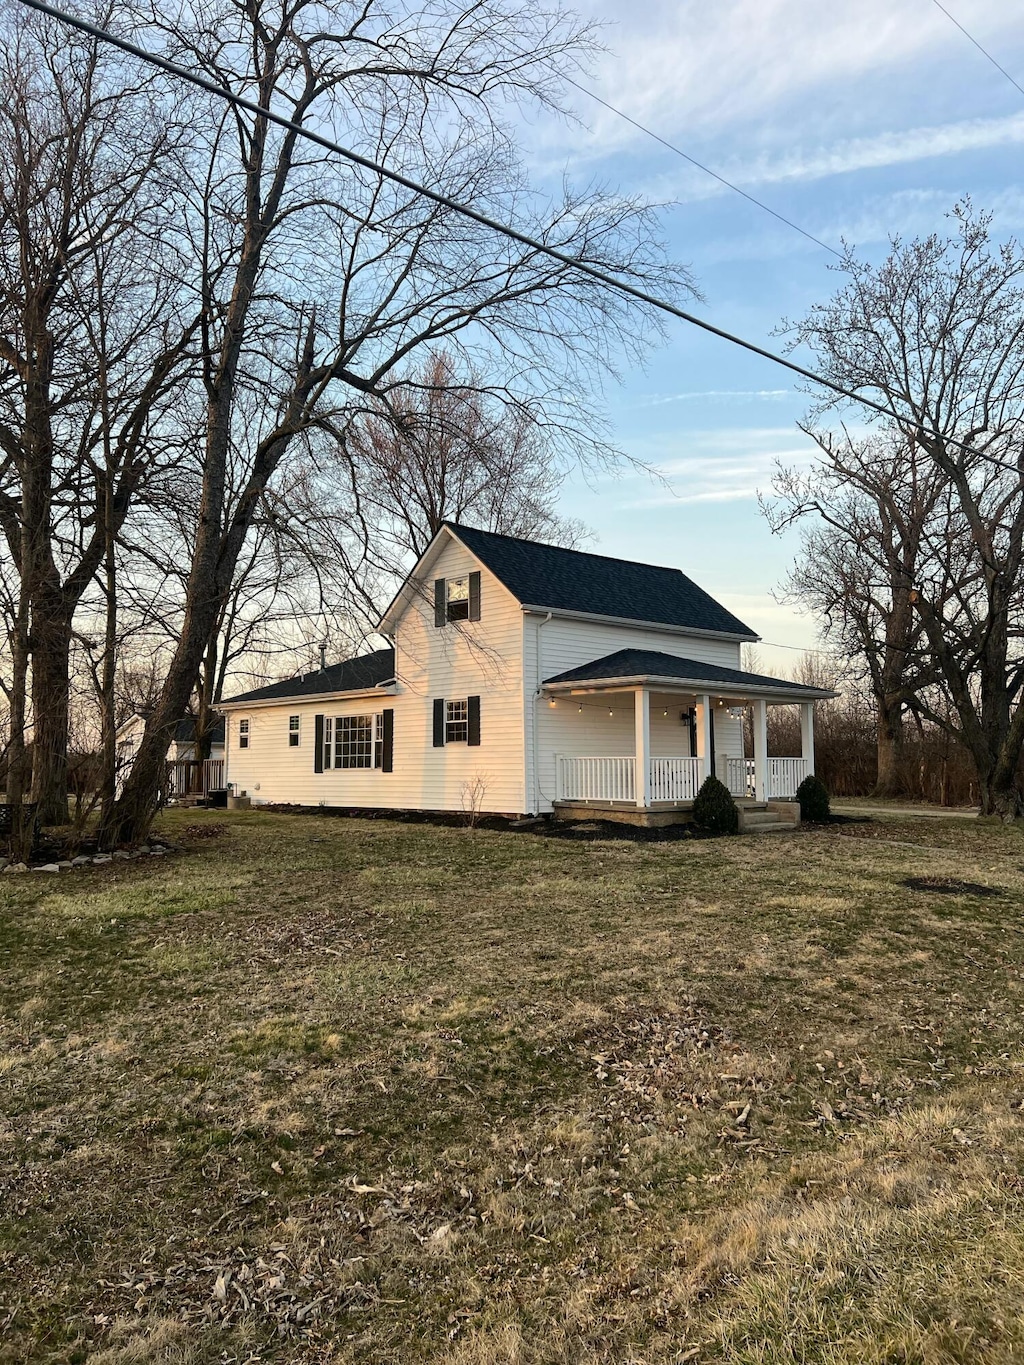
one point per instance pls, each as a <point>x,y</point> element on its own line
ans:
<point>687,721</point>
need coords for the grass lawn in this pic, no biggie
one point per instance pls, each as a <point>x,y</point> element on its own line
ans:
<point>352,1090</point>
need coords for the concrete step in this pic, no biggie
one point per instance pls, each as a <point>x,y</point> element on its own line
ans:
<point>763,822</point>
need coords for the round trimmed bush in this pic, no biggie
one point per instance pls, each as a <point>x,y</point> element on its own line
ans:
<point>714,809</point>
<point>813,797</point>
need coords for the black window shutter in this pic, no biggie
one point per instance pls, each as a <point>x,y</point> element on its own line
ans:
<point>388,760</point>
<point>473,708</point>
<point>439,722</point>
<point>318,744</point>
<point>440,601</point>
<point>474,596</point>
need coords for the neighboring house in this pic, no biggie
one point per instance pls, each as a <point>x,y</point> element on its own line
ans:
<point>523,678</point>
<point>185,773</point>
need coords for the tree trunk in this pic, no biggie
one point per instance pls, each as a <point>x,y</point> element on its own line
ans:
<point>132,814</point>
<point>890,748</point>
<point>51,694</point>
<point>108,716</point>
<point>20,846</point>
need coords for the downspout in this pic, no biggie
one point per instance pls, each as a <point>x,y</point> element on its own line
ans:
<point>535,783</point>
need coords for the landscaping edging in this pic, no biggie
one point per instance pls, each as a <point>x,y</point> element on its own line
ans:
<point>95,859</point>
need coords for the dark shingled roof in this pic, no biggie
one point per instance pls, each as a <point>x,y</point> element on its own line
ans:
<point>572,580</point>
<point>352,675</point>
<point>651,663</point>
<point>185,731</point>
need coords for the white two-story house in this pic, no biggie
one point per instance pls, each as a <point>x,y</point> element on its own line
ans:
<point>524,678</point>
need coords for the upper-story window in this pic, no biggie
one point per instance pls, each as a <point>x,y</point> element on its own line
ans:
<point>458,599</point>
<point>243,734</point>
<point>294,731</point>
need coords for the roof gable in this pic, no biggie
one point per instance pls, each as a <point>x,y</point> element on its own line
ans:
<point>556,579</point>
<point>351,675</point>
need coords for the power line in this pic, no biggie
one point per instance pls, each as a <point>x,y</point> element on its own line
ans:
<point>706,169</point>
<point>984,51</point>
<point>494,224</point>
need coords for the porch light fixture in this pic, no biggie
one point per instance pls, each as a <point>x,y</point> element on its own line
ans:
<point>737,712</point>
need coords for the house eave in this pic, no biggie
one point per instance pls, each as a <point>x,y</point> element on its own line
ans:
<point>390,690</point>
<point>688,685</point>
<point>663,627</point>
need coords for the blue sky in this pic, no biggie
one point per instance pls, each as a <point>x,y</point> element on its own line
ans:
<point>858,121</point>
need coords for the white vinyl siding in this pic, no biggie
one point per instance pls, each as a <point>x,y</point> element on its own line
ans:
<point>468,658</point>
<point>565,729</point>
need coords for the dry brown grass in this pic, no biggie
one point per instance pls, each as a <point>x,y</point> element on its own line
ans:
<point>355,1091</point>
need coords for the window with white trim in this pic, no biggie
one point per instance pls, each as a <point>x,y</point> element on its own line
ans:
<point>294,731</point>
<point>456,722</point>
<point>243,734</point>
<point>458,599</point>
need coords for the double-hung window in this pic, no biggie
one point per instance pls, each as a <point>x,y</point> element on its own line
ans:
<point>243,734</point>
<point>456,722</point>
<point>354,741</point>
<point>294,731</point>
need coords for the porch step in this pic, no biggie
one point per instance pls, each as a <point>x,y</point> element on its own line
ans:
<point>766,817</point>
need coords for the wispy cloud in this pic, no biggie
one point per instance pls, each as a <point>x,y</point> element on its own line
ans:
<point>728,465</point>
<point>691,69</point>
<point>718,396</point>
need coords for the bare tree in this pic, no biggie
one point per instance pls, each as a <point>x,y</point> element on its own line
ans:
<point>872,503</point>
<point>90,344</point>
<point>935,334</point>
<point>321,281</point>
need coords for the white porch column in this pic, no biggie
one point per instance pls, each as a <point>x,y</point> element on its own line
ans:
<point>807,734</point>
<point>704,735</point>
<point>642,775</point>
<point>760,710</point>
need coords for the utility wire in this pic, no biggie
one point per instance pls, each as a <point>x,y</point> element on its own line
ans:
<point>984,52</point>
<point>701,167</point>
<point>445,201</point>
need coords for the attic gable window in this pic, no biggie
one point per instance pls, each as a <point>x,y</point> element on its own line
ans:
<point>458,599</point>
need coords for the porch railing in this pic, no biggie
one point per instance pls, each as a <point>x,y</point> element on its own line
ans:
<point>783,777</point>
<point>192,777</point>
<point>675,779</point>
<point>739,776</point>
<point>595,779</point>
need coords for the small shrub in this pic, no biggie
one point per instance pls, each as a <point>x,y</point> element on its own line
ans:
<point>714,809</point>
<point>813,797</point>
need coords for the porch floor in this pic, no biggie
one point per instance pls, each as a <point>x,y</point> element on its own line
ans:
<point>755,816</point>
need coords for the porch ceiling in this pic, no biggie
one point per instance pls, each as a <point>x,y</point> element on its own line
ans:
<point>630,668</point>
